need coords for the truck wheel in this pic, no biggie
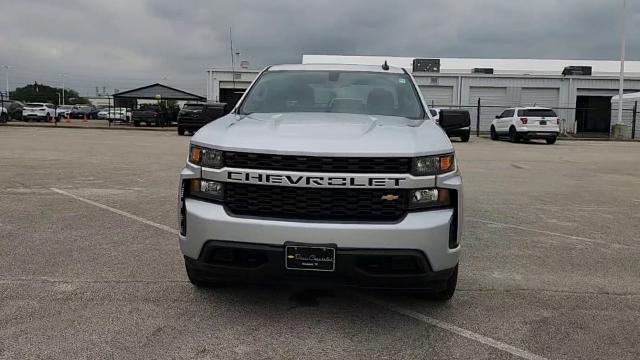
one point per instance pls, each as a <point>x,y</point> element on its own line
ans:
<point>465,137</point>
<point>180,130</point>
<point>513,135</point>
<point>494,134</point>
<point>447,293</point>
<point>552,140</point>
<point>136,123</point>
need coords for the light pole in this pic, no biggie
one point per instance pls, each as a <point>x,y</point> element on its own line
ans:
<point>62,89</point>
<point>6,76</point>
<point>622,53</point>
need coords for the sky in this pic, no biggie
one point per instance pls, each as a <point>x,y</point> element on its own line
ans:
<point>124,44</point>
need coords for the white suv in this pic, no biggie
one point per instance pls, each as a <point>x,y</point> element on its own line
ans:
<point>38,111</point>
<point>526,123</point>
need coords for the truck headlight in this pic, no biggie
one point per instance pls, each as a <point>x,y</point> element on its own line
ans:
<point>433,165</point>
<point>426,198</point>
<point>207,189</point>
<point>206,157</point>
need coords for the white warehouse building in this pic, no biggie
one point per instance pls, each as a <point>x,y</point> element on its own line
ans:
<point>582,101</point>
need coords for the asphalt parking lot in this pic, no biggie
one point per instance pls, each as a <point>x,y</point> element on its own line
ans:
<point>91,266</point>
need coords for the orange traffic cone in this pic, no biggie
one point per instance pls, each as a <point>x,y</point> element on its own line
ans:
<point>84,121</point>
<point>68,120</point>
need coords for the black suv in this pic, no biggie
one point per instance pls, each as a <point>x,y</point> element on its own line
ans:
<point>193,116</point>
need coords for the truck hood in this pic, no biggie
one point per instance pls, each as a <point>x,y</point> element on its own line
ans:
<point>324,134</point>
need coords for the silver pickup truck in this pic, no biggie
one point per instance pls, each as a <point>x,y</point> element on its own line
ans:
<point>324,174</point>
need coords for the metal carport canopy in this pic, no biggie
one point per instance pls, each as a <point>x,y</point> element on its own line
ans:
<point>160,92</point>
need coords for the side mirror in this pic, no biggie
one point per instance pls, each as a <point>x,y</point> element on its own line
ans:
<point>454,119</point>
<point>497,116</point>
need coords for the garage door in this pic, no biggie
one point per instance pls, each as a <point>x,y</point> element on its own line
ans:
<point>437,95</point>
<point>493,101</point>
<point>540,97</point>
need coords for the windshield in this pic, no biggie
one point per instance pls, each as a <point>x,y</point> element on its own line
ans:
<point>537,113</point>
<point>354,92</point>
<point>192,107</point>
<point>34,105</point>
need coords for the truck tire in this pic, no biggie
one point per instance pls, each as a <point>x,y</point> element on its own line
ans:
<point>494,134</point>
<point>552,140</point>
<point>513,135</point>
<point>447,293</point>
<point>136,123</point>
<point>465,137</point>
<point>180,130</point>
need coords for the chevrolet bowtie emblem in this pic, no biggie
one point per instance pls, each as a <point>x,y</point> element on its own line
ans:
<point>390,197</point>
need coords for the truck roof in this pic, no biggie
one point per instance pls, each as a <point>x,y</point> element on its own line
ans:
<point>335,67</point>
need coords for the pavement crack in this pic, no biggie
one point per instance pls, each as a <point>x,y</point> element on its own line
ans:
<point>566,292</point>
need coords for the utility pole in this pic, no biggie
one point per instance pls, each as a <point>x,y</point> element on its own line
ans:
<point>622,54</point>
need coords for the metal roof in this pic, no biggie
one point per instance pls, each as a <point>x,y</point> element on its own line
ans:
<point>500,66</point>
<point>337,67</point>
<point>158,91</point>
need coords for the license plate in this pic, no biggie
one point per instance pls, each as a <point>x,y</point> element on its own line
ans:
<point>313,258</point>
<point>543,122</point>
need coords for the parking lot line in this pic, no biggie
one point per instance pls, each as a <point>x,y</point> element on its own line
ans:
<point>578,238</point>
<point>457,330</point>
<point>426,319</point>
<point>119,212</point>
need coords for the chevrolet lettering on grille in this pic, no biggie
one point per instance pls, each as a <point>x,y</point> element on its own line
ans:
<point>315,180</point>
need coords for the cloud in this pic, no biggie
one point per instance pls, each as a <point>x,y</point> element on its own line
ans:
<point>124,44</point>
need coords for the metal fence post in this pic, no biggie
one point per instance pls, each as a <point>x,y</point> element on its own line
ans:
<point>633,123</point>
<point>478,119</point>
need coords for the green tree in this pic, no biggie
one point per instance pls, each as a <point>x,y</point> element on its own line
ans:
<point>43,93</point>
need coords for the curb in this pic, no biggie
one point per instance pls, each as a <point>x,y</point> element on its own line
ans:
<point>50,126</point>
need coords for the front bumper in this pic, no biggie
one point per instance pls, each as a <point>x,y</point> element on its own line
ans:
<point>263,264</point>
<point>426,231</point>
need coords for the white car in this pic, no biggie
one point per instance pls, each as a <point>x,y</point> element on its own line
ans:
<point>526,123</point>
<point>103,113</point>
<point>38,111</point>
<point>121,114</point>
<point>63,110</point>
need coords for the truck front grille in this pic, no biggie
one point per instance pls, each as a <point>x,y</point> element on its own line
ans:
<point>315,203</point>
<point>360,165</point>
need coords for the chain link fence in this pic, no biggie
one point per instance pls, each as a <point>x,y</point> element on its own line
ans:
<point>583,124</point>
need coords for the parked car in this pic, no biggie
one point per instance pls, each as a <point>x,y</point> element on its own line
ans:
<point>193,116</point>
<point>464,133</point>
<point>149,114</point>
<point>38,111</point>
<point>80,111</point>
<point>103,113</point>
<point>526,123</point>
<point>63,110</point>
<point>93,113</point>
<point>15,110</point>
<point>4,115</point>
